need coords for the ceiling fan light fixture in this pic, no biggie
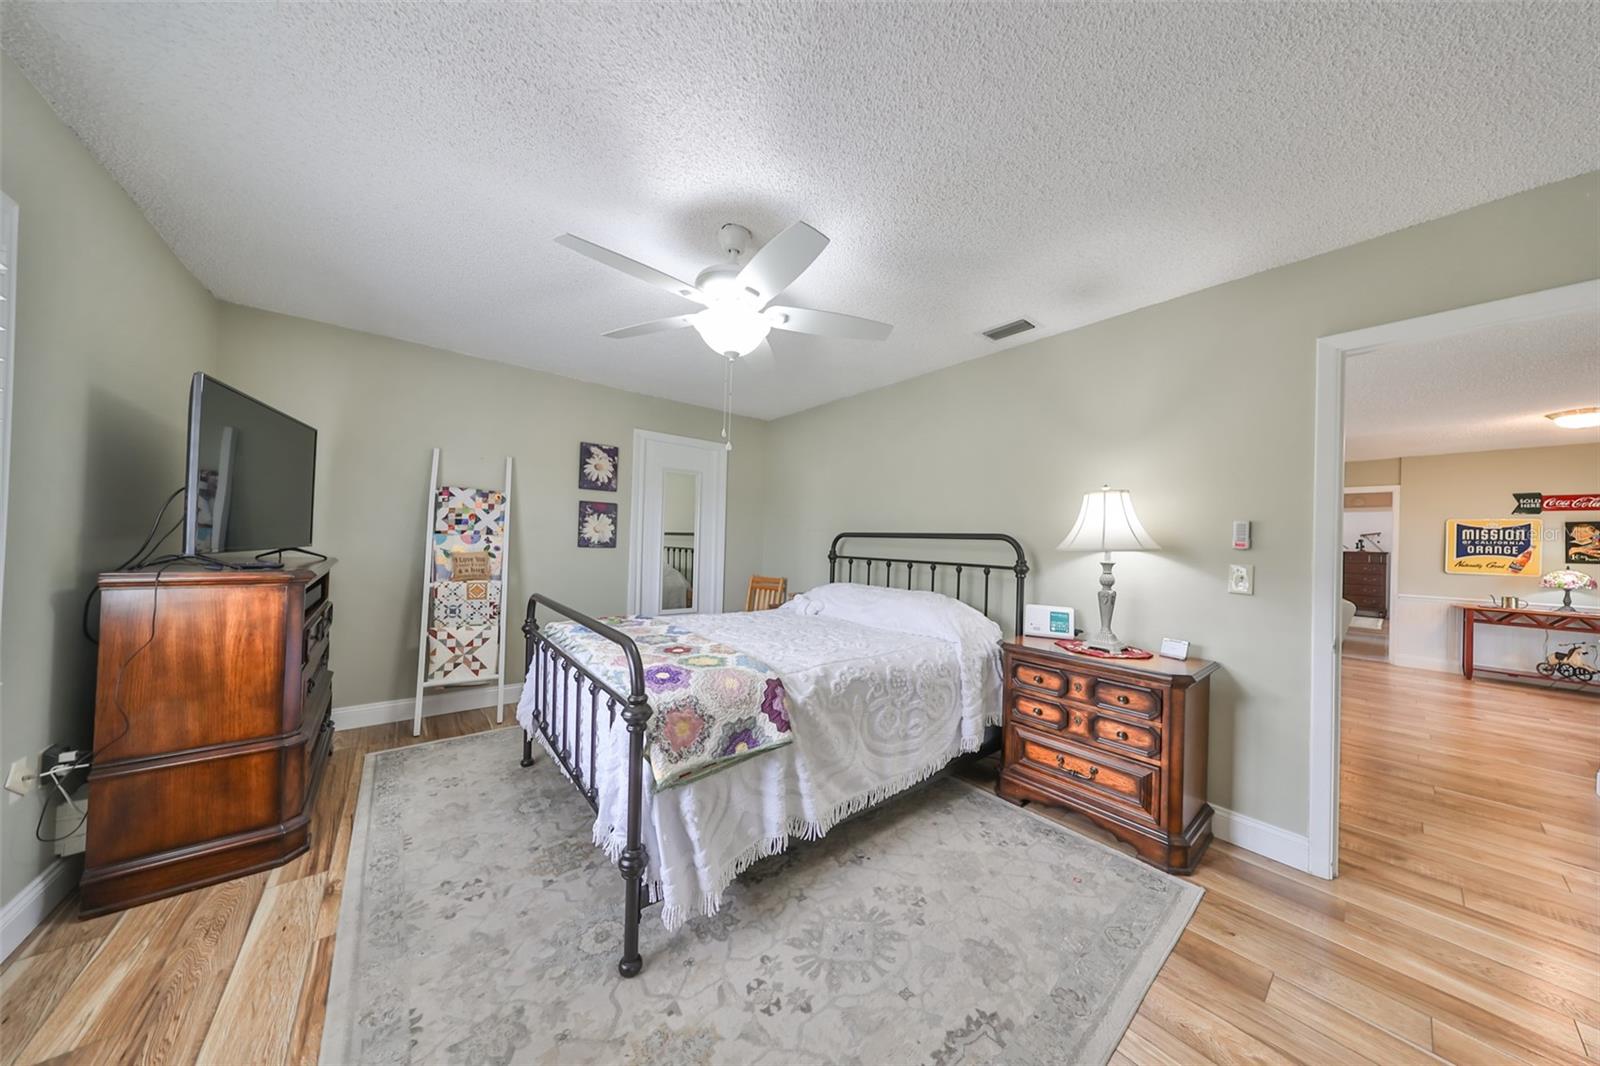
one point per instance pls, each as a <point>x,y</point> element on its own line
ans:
<point>731,330</point>
<point>1577,418</point>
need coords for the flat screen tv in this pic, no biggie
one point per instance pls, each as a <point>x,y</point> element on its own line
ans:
<point>251,473</point>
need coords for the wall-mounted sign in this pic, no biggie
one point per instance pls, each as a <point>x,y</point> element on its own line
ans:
<point>1504,546</point>
<point>1583,542</point>
<point>1538,502</point>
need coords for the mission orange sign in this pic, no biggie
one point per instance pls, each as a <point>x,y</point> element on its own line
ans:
<point>1492,546</point>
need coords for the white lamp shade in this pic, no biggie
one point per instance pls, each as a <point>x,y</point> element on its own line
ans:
<point>1106,523</point>
<point>729,329</point>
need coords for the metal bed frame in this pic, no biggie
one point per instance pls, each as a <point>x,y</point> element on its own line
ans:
<point>679,556</point>
<point>559,706</point>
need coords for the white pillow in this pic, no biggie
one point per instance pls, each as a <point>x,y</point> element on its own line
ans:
<point>928,614</point>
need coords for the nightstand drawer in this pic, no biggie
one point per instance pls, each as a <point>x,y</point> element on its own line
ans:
<point>1130,699</point>
<point>1038,712</point>
<point>1040,678</point>
<point>1125,785</point>
<point>1141,741</point>
<point>1049,714</point>
<point>1051,679</point>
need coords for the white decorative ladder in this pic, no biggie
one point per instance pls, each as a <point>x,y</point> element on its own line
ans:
<point>426,684</point>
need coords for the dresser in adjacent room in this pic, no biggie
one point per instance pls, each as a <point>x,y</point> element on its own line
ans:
<point>1121,741</point>
<point>1366,582</point>
<point>213,721</point>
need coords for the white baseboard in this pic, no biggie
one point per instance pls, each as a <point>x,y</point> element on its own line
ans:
<point>1423,662</point>
<point>447,701</point>
<point>1263,838</point>
<point>23,912</point>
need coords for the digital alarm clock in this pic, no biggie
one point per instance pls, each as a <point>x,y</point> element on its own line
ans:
<point>1044,620</point>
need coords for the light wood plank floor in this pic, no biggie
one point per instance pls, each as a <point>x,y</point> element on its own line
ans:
<point>1465,927</point>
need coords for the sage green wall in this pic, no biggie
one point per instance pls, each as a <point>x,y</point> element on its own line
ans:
<point>109,328</point>
<point>1203,407</point>
<point>1363,472</point>
<point>1434,488</point>
<point>381,405</point>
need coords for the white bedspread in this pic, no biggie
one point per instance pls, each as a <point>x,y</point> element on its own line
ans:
<point>874,711</point>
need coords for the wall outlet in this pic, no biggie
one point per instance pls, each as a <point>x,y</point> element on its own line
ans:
<point>22,778</point>
<point>1242,580</point>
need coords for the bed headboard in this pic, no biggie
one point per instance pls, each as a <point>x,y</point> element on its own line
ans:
<point>844,567</point>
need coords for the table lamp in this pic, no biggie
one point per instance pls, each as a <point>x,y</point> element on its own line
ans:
<point>1106,523</point>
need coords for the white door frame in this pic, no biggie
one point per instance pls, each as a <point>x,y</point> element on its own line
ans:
<point>1327,520</point>
<point>8,357</point>
<point>709,543</point>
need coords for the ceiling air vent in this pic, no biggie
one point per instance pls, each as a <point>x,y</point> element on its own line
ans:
<point>1010,329</point>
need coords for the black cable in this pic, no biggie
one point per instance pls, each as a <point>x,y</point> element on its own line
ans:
<point>153,527</point>
<point>134,561</point>
<point>39,826</point>
<point>162,565</point>
<point>158,542</point>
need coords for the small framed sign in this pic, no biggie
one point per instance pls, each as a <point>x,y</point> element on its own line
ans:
<point>1043,620</point>
<point>1174,649</point>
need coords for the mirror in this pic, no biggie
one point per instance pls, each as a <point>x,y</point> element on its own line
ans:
<point>680,506</point>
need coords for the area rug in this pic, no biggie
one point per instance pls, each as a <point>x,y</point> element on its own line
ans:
<point>479,925</point>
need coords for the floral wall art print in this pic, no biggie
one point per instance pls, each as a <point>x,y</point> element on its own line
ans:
<point>597,467</point>
<point>597,524</point>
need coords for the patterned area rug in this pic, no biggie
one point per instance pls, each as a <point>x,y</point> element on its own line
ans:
<point>479,925</point>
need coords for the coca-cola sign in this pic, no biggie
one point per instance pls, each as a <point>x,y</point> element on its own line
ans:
<point>1538,502</point>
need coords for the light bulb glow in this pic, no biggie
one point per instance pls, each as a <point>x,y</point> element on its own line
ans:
<point>731,329</point>
<point>1577,418</point>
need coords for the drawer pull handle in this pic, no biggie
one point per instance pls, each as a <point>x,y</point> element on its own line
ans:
<point>1122,734</point>
<point>1038,712</point>
<point>1061,764</point>
<point>1038,679</point>
<point>1077,719</point>
<point>1122,699</point>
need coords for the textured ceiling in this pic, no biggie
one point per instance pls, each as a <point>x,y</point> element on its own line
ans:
<point>1477,391</point>
<point>402,169</point>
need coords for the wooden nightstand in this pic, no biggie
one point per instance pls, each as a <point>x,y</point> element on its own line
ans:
<point>1121,741</point>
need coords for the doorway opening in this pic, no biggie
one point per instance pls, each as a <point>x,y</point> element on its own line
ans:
<point>1438,583</point>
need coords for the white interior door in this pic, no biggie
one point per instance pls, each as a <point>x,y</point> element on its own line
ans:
<point>679,505</point>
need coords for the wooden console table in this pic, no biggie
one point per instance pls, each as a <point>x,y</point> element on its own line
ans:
<point>1476,614</point>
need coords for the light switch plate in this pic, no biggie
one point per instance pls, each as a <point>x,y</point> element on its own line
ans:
<point>1241,580</point>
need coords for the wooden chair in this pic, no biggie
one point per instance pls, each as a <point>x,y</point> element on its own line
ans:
<point>766,593</point>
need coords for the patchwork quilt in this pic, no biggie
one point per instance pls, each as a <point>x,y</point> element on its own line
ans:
<point>713,704</point>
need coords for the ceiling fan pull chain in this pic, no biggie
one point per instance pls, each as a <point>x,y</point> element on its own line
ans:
<point>727,405</point>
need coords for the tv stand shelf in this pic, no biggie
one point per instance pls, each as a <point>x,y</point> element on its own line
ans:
<point>213,722</point>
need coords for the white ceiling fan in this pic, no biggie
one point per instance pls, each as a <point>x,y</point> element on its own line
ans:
<point>737,296</point>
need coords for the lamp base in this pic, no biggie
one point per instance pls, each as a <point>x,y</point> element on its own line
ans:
<point>1105,640</point>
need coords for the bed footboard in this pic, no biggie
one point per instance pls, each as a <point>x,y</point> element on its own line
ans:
<point>566,712</point>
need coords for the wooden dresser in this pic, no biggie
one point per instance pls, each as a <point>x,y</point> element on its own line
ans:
<point>1366,582</point>
<point>1121,741</point>
<point>213,720</point>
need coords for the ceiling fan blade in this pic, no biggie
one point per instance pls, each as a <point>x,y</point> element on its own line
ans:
<point>655,326</point>
<point>827,323</point>
<point>647,274</point>
<point>780,261</point>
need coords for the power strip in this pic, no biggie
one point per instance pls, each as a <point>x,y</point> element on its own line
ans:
<point>67,768</point>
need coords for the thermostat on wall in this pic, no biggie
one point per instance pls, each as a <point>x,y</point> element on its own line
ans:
<point>1043,620</point>
<point>1241,534</point>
